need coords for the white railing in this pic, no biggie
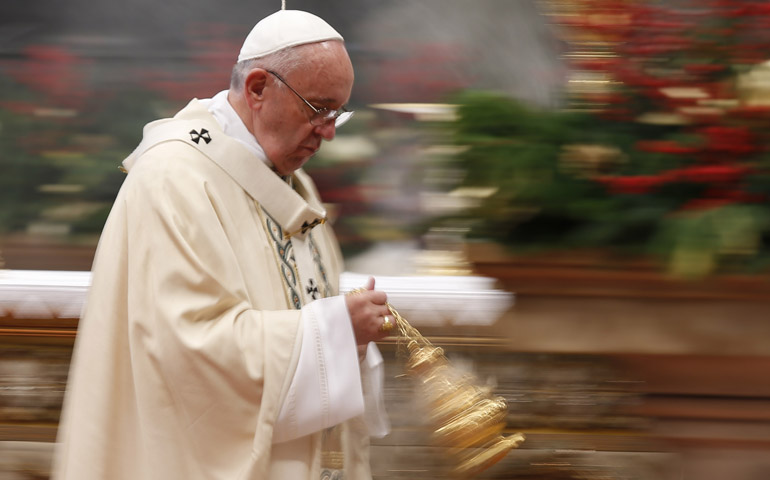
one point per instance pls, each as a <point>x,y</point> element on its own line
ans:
<point>423,300</point>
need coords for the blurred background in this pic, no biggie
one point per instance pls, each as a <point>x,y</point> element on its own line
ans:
<point>571,197</point>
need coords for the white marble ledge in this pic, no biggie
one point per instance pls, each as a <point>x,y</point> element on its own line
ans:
<point>42,293</point>
<point>423,300</point>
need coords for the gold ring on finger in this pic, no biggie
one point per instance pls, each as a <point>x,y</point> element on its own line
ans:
<point>387,324</point>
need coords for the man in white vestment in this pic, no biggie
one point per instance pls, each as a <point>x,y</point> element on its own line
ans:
<point>214,343</point>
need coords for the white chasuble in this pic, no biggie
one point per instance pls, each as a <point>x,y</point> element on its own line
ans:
<point>193,335</point>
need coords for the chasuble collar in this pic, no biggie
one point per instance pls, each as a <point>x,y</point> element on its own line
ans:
<point>228,119</point>
<point>194,126</point>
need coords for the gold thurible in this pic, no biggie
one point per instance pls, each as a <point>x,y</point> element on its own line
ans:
<point>466,419</point>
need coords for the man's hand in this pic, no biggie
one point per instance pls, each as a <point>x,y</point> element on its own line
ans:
<point>367,309</point>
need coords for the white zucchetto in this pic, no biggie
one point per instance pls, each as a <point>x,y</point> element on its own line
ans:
<point>285,28</point>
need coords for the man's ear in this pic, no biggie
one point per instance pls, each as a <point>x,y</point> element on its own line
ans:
<point>254,86</point>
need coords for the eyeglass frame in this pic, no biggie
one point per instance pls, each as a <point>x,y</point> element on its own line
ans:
<point>325,115</point>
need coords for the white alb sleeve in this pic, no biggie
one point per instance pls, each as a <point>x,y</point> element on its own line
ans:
<point>326,388</point>
<point>373,379</point>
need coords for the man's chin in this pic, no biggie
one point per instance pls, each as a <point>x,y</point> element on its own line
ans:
<point>292,164</point>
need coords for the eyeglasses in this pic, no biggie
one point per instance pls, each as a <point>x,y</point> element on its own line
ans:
<point>321,116</point>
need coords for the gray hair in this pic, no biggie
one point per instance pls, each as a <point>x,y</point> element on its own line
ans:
<point>283,62</point>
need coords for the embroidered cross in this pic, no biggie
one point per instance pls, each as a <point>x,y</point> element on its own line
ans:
<point>305,227</point>
<point>196,137</point>
<point>312,289</point>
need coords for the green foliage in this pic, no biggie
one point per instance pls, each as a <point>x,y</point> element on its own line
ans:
<point>547,172</point>
<point>22,171</point>
<point>49,162</point>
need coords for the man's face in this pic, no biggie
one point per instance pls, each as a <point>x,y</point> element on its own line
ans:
<point>282,124</point>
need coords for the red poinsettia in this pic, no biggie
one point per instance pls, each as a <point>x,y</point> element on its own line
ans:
<point>665,146</point>
<point>708,174</point>
<point>632,185</point>
<point>735,141</point>
<point>57,74</point>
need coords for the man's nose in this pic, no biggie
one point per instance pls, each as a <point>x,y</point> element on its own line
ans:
<point>327,130</point>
